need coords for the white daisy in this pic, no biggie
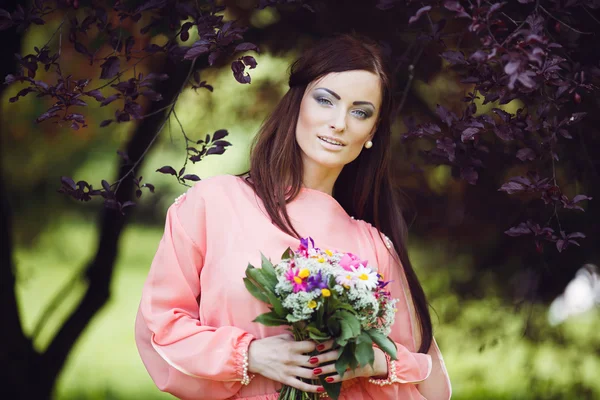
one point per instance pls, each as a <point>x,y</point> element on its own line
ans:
<point>347,279</point>
<point>365,278</point>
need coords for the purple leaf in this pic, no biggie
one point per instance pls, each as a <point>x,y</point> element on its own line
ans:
<point>191,177</point>
<point>106,122</point>
<point>149,186</point>
<point>447,116</point>
<point>454,5</point>
<point>238,69</point>
<point>468,134</point>
<point>454,57</point>
<point>110,99</point>
<point>220,134</point>
<point>512,187</point>
<point>526,154</point>
<point>81,48</point>
<point>215,150</point>
<point>110,68</point>
<point>502,114</point>
<point>519,230</point>
<point>250,61</point>
<point>576,117</point>
<point>96,94</point>
<point>167,170</point>
<point>152,95</point>
<point>419,13</point>
<point>195,52</point>
<point>213,57</point>
<point>580,197</point>
<point>79,102</point>
<point>246,47</point>
<point>469,174</point>
<point>68,182</point>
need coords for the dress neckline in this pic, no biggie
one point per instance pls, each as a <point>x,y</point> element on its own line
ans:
<point>317,200</point>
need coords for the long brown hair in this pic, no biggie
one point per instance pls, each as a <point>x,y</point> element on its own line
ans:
<point>364,187</point>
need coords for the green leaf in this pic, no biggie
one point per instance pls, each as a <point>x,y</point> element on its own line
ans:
<point>384,342</point>
<point>344,360</point>
<point>320,313</point>
<point>269,270</point>
<point>257,275</point>
<point>270,319</point>
<point>364,350</point>
<point>351,320</point>
<point>335,305</point>
<point>333,389</point>
<point>287,254</point>
<point>255,291</point>
<point>346,333</point>
<point>277,306</point>
<point>316,334</point>
<point>334,326</point>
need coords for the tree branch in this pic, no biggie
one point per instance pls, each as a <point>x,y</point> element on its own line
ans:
<point>99,271</point>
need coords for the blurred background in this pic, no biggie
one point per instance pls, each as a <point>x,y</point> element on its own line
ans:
<point>490,293</point>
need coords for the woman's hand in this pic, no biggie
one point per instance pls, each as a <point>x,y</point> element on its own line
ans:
<point>379,369</point>
<point>284,360</point>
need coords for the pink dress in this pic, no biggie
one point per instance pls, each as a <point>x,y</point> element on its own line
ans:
<point>195,316</point>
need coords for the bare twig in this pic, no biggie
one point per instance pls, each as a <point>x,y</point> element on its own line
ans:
<point>121,73</point>
<point>590,14</point>
<point>565,24</point>
<point>56,30</point>
<point>160,128</point>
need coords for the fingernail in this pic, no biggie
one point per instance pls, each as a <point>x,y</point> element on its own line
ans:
<point>317,371</point>
<point>313,360</point>
<point>320,347</point>
<point>320,389</point>
<point>329,379</point>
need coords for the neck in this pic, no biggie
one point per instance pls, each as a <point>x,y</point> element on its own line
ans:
<point>318,177</point>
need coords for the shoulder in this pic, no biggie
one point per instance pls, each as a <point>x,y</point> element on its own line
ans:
<point>380,240</point>
<point>211,188</point>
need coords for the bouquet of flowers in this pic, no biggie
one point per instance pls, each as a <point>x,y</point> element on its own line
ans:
<point>323,295</point>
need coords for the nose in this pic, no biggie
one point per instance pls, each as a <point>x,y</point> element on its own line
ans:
<point>339,122</point>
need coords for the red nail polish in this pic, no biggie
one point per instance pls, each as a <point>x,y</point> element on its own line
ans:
<point>320,389</point>
<point>313,360</point>
<point>320,347</point>
<point>329,379</point>
<point>317,371</point>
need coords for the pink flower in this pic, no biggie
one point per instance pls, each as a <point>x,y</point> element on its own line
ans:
<point>349,260</point>
<point>297,281</point>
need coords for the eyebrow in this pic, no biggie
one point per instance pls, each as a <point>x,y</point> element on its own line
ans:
<point>337,96</point>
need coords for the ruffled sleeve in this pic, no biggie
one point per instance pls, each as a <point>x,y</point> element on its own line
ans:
<point>426,372</point>
<point>184,357</point>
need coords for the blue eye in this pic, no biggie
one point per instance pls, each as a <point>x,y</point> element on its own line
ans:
<point>324,101</point>
<point>361,114</point>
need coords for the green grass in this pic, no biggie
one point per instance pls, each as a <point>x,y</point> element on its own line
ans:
<point>482,341</point>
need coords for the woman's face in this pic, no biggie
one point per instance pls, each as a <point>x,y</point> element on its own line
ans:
<point>338,115</point>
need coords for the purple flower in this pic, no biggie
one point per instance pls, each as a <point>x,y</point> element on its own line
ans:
<point>317,281</point>
<point>307,247</point>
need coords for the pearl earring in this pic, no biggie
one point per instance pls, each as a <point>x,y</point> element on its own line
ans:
<point>368,145</point>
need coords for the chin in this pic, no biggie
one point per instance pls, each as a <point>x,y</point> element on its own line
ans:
<point>328,161</point>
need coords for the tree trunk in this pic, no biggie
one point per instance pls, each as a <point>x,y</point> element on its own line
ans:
<point>33,375</point>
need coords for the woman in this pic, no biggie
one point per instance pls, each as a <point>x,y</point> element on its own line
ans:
<point>320,167</point>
